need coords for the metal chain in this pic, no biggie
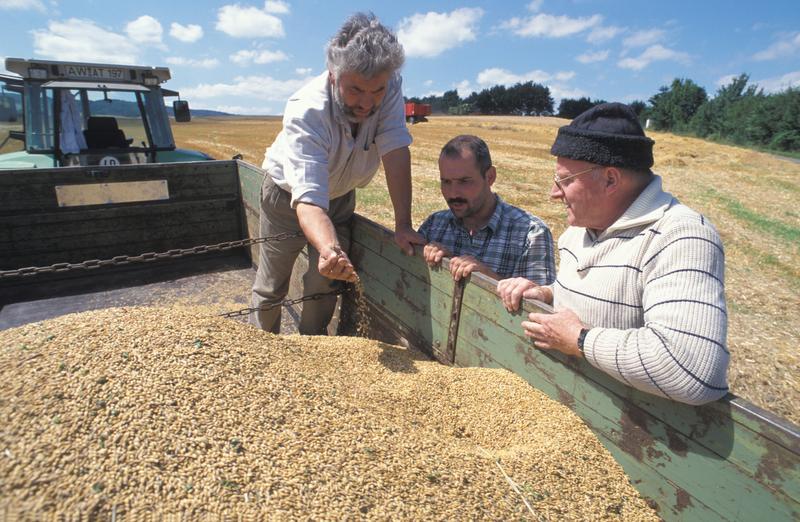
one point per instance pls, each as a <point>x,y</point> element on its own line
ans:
<point>286,302</point>
<point>144,258</point>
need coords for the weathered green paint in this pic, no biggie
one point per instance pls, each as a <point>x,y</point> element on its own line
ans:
<point>414,302</point>
<point>724,461</point>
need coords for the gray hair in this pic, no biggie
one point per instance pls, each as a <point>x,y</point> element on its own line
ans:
<point>365,46</point>
<point>478,148</point>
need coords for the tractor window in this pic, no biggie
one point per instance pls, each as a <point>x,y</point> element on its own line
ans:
<point>158,119</point>
<point>121,106</point>
<point>10,121</point>
<point>39,131</point>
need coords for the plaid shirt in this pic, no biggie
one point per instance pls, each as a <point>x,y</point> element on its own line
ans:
<point>514,243</point>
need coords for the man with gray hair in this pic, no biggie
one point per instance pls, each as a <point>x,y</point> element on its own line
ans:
<point>336,131</point>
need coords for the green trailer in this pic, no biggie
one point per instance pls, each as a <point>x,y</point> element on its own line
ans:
<point>79,238</point>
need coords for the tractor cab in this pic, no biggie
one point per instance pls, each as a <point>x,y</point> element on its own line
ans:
<point>59,114</point>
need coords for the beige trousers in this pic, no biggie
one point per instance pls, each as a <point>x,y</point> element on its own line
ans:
<point>276,261</point>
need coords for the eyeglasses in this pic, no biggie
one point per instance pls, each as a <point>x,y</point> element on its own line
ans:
<point>558,180</point>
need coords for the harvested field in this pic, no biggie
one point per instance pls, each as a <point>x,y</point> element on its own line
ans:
<point>143,410</point>
<point>750,197</point>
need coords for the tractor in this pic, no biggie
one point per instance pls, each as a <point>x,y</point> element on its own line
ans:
<point>84,114</point>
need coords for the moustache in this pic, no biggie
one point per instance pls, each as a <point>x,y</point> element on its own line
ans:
<point>456,200</point>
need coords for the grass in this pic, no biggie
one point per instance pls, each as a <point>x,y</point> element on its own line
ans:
<point>750,196</point>
<point>789,233</point>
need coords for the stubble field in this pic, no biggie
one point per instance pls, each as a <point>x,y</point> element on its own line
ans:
<point>751,197</point>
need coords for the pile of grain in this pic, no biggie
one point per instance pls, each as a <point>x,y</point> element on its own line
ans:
<point>136,410</point>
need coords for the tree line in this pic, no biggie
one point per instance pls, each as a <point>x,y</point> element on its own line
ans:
<point>738,113</point>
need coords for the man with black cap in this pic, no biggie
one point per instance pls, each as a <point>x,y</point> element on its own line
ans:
<point>640,287</point>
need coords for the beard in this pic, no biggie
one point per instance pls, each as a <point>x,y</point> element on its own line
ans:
<point>348,111</point>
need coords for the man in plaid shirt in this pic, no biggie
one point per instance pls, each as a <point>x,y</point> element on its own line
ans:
<point>480,232</point>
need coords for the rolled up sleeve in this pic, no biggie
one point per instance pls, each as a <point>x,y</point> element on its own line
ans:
<point>306,163</point>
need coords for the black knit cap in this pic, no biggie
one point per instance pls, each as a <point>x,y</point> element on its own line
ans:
<point>608,134</point>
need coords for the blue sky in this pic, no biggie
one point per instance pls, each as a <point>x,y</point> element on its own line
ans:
<point>247,57</point>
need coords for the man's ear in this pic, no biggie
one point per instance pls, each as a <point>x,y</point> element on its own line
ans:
<point>612,178</point>
<point>491,175</point>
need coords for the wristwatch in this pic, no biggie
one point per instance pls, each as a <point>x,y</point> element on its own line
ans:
<point>582,338</point>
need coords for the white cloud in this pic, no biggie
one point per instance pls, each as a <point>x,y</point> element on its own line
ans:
<point>602,34</point>
<point>725,80</point>
<point>643,38</point>
<point>535,5</point>
<point>786,46</point>
<point>652,54</point>
<point>145,30</point>
<point>590,57</point>
<point>246,57</point>
<point>248,22</point>
<point>303,71</point>
<point>428,35</point>
<point>780,83</point>
<point>22,5</point>
<point>465,88</point>
<point>257,87</point>
<point>206,63</point>
<point>82,40</point>
<point>260,110</point>
<point>558,92</point>
<point>630,98</point>
<point>496,76</point>
<point>276,6</point>
<point>186,33</point>
<point>550,26</point>
<point>428,83</point>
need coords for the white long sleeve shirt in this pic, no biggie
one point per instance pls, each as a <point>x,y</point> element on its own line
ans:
<point>652,288</point>
<point>316,158</point>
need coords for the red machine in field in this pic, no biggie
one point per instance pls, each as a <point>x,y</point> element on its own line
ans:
<point>416,112</point>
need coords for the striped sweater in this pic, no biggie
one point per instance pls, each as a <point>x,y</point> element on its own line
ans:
<point>652,288</point>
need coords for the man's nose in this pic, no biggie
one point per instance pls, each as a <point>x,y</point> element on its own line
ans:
<point>556,192</point>
<point>366,102</point>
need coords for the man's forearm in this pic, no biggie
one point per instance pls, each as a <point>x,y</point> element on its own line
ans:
<point>397,165</point>
<point>316,226</point>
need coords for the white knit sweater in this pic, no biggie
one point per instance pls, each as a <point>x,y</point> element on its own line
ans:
<point>652,288</point>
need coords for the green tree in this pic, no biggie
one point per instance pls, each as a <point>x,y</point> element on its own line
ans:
<point>532,99</point>
<point>674,106</point>
<point>570,108</point>
<point>638,107</point>
<point>450,99</point>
